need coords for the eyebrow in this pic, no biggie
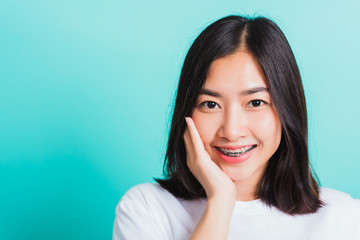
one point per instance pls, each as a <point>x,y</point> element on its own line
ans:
<point>246,92</point>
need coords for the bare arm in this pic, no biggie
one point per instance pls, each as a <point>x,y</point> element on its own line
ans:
<point>214,223</point>
<point>220,190</point>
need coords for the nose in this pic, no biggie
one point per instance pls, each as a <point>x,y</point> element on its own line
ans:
<point>234,124</point>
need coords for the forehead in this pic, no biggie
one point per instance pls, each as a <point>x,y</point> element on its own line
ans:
<point>235,72</point>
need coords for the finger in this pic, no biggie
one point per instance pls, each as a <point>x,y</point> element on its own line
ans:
<point>194,135</point>
<point>188,142</point>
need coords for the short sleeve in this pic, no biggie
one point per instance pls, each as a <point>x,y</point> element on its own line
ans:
<point>134,219</point>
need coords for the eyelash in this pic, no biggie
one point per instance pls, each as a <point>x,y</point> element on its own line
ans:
<point>257,100</point>
<point>204,104</point>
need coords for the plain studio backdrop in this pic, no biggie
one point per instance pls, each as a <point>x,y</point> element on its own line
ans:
<point>87,87</point>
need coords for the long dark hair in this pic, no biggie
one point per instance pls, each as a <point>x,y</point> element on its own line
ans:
<point>288,182</point>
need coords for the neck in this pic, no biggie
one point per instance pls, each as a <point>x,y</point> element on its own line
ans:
<point>245,194</point>
<point>246,190</point>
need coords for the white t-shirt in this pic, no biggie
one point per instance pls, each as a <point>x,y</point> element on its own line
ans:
<point>147,211</point>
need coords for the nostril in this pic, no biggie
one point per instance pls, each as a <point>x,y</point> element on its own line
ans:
<point>232,133</point>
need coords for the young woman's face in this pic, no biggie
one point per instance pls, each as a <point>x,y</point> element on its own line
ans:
<point>236,119</point>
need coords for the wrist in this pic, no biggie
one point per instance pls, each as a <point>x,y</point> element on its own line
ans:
<point>222,203</point>
<point>227,194</point>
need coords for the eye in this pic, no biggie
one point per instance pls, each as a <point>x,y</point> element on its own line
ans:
<point>256,103</point>
<point>209,105</point>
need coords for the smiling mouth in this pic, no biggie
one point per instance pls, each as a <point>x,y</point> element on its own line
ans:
<point>236,152</point>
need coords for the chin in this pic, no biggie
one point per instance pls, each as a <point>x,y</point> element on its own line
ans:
<point>238,178</point>
<point>235,175</point>
<point>245,174</point>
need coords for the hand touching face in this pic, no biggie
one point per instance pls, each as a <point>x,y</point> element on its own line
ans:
<point>211,177</point>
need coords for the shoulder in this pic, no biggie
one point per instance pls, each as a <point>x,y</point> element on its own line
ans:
<point>148,211</point>
<point>138,213</point>
<point>337,201</point>
<point>140,190</point>
<point>155,201</point>
<point>332,196</point>
<point>145,192</point>
<point>340,215</point>
<point>147,197</point>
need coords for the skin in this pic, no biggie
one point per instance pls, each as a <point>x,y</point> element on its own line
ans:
<point>234,117</point>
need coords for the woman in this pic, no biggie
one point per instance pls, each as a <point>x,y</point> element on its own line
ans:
<point>237,163</point>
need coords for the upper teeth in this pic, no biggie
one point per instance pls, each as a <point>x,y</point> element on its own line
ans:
<point>239,150</point>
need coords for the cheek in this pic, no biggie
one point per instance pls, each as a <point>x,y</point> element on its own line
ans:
<point>206,126</point>
<point>266,127</point>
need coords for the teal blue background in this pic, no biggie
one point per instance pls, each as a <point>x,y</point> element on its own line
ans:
<point>86,89</point>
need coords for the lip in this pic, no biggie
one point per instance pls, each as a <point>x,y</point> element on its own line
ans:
<point>234,160</point>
